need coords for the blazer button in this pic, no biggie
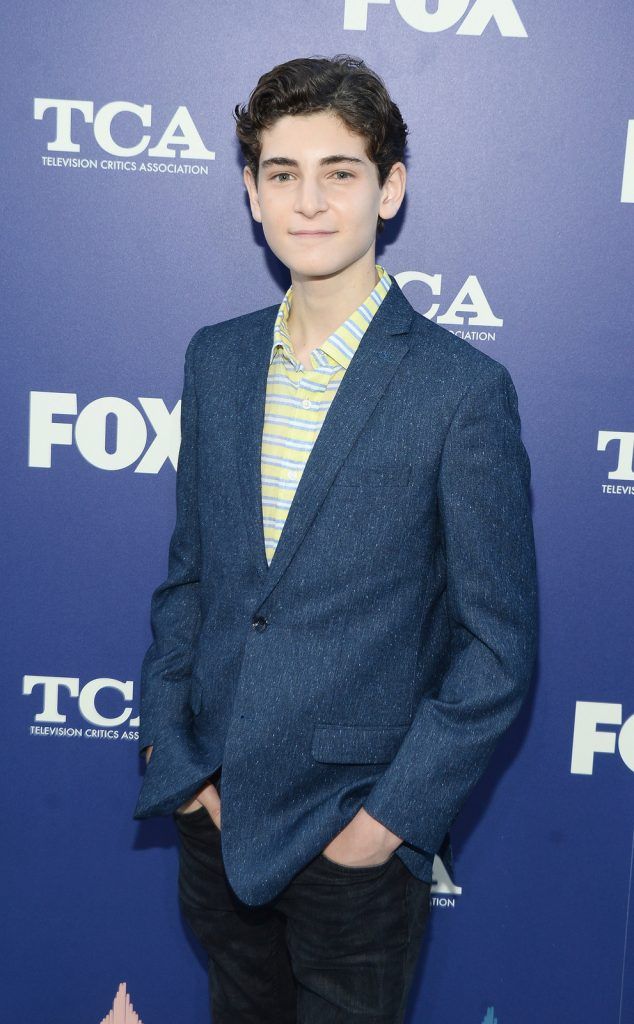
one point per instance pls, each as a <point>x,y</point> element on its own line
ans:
<point>259,622</point>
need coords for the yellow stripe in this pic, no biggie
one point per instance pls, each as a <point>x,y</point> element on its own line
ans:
<point>297,401</point>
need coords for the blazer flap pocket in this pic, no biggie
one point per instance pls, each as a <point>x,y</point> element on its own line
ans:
<point>356,744</point>
<point>388,474</point>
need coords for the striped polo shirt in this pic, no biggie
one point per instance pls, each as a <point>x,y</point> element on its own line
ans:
<point>297,401</point>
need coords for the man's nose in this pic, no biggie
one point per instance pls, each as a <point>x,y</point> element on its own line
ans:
<point>310,198</point>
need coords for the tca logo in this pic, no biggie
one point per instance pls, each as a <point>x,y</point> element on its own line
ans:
<point>625,443</point>
<point>447,13</point>
<point>589,740</point>
<point>189,143</point>
<point>470,301</point>
<point>110,433</point>
<point>86,697</point>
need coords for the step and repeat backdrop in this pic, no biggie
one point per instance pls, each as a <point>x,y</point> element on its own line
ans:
<point>126,228</point>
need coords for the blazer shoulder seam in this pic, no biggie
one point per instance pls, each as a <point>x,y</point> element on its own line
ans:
<point>493,372</point>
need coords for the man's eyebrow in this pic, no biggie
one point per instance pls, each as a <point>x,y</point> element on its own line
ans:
<point>286,161</point>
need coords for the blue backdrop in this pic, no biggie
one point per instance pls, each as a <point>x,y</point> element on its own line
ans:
<point>127,228</point>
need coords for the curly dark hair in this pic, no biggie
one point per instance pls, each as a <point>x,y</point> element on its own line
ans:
<point>341,84</point>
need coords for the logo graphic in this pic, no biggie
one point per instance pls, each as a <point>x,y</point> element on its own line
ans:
<point>625,466</point>
<point>102,703</point>
<point>489,1017</point>
<point>468,311</point>
<point>122,1011</point>
<point>446,14</point>
<point>110,433</point>
<point>627,191</point>
<point>588,740</point>
<point>132,118</point>
<point>443,889</point>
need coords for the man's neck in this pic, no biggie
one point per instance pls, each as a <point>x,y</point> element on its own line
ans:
<point>320,305</point>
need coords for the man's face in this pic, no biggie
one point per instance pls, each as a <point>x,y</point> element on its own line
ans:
<point>318,195</point>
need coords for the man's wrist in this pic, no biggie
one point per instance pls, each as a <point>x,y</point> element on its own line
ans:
<point>389,838</point>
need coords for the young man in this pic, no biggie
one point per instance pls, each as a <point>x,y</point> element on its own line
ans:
<point>348,624</point>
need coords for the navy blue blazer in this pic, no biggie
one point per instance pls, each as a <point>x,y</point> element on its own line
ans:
<point>390,643</point>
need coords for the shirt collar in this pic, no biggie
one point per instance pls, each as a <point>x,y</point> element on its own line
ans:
<point>341,345</point>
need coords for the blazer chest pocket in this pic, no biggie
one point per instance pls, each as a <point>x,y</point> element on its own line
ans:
<point>356,744</point>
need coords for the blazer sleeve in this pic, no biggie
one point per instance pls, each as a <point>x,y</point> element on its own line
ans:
<point>175,604</point>
<point>486,539</point>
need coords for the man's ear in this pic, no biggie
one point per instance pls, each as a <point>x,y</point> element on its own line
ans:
<point>393,191</point>
<point>251,187</point>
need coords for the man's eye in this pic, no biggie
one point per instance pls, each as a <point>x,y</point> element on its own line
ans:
<point>286,174</point>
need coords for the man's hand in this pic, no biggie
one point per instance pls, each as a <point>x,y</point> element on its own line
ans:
<point>207,796</point>
<point>364,842</point>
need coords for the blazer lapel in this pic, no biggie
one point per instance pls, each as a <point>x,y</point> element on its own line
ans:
<point>369,372</point>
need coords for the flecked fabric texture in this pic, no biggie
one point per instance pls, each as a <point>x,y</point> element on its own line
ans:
<point>389,644</point>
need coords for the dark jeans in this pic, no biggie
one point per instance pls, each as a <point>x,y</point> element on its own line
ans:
<point>338,944</point>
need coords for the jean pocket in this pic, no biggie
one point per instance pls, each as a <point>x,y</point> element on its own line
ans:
<point>356,869</point>
<point>194,816</point>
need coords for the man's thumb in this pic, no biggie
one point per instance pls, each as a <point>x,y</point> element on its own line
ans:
<point>210,799</point>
